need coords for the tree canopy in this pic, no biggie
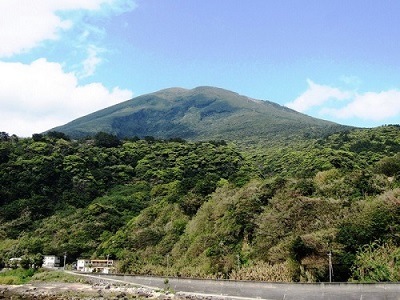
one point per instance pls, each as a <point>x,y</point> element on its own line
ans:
<point>215,209</point>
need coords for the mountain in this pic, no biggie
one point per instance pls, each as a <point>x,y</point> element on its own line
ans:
<point>197,114</point>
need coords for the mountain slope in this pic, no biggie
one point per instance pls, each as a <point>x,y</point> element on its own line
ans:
<point>267,213</point>
<point>199,113</point>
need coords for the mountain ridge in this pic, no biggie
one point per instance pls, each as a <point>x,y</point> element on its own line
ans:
<point>200,113</point>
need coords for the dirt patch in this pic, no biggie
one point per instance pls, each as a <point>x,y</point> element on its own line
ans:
<point>74,291</point>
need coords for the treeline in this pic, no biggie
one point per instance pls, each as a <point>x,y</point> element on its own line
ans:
<point>208,209</point>
<point>62,196</point>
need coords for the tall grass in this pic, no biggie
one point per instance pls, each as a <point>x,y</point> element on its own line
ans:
<point>263,271</point>
<point>22,276</point>
<point>57,276</point>
<point>16,276</point>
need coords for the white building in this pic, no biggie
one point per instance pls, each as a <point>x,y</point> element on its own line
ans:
<point>95,265</point>
<point>83,265</point>
<point>51,261</point>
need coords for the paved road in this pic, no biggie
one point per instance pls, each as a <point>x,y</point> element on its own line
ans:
<point>263,290</point>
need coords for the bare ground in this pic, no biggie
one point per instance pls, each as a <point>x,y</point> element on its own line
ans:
<point>73,291</point>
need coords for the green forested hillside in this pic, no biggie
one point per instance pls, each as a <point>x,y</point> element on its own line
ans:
<point>271,211</point>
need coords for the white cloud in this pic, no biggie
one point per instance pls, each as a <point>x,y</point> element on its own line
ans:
<point>348,105</point>
<point>317,95</point>
<point>38,96</point>
<point>25,24</point>
<point>369,106</point>
<point>90,64</point>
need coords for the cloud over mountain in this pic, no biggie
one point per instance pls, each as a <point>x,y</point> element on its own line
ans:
<point>41,93</point>
<point>348,104</point>
<point>45,95</point>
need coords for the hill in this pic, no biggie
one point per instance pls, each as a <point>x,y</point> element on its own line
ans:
<point>202,113</point>
<point>207,209</point>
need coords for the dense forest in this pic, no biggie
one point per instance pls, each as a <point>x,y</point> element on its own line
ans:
<point>211,209</point>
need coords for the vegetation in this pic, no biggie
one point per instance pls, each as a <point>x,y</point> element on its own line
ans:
<point>268,211</point>
<point>57,276</point>
<point>26,275</point>
<point>16,276</point>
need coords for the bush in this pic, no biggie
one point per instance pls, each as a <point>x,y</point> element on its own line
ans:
<point>56,276</point>
<point>377,262</point>
<point>390,166</point>
<point>16,276</point>
<point>10,280</point>
<point>263,271</point>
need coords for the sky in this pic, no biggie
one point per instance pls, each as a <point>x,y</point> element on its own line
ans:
<point>336,60</point>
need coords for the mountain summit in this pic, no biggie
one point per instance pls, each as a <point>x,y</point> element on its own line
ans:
<point>197,114</point>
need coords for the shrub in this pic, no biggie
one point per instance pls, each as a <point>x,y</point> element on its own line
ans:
<point>263,271</point>
<point>10,280</point>
<point>16,276</point>
<point>377,262</point>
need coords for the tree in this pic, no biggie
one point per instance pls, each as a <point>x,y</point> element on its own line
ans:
<point>390,166</point>
<point>4,152</point>
<point>26,262</point>
<point>103,139</point>
<point>58,135</point>
<point>4,137</point>
<point>37,137</point>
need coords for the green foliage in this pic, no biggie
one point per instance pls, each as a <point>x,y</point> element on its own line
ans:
<point>4,136</point>
<point>22,276</point>
<point>286,217</point>
<point>298,249</point>
<point>209,209</point>
<point>377,219</point>
<point>56,276</point>
<point>57,135</point>
<point>390,166</point>
<point>16,276</point>
<point>103,139</point>
<point>263,271</point>
<point>377,262</point>
<point>220,231</point>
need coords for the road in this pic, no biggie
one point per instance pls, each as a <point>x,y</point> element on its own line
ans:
<point>229,289</point>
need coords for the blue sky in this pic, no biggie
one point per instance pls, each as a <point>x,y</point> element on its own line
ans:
<point>336,60</point>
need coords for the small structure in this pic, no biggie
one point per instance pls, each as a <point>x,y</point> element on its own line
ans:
<point>82,265</point>
<point>51,261</point>
<point>95,265</point>
<point>14,262</point>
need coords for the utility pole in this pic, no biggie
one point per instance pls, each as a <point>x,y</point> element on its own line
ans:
<point>107,268</point>
<point>167,265</point>
<point>330,266</point>
<point>65,258</point>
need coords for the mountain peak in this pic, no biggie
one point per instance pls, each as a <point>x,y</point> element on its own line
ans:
<point>207,90</point>
<point>203,112</point>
